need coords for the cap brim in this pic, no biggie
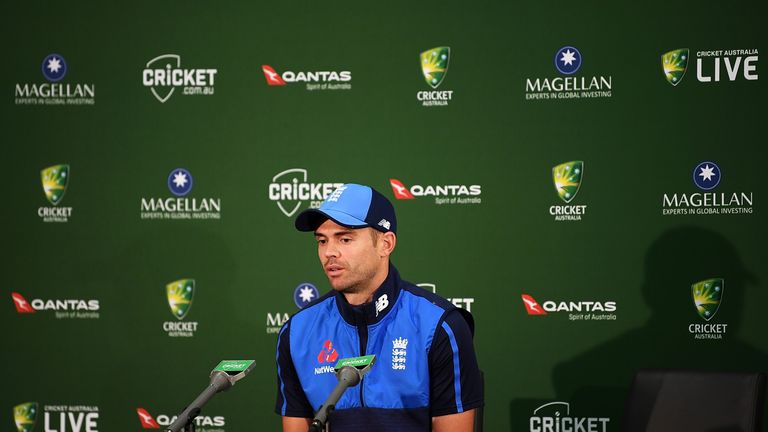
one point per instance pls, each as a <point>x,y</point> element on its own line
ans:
<point>310,219</point>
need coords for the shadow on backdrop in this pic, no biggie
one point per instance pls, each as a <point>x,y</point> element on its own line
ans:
<point>596,382</point>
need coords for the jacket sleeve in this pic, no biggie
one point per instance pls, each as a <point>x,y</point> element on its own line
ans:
<point>291,400</point>
<point>454,377</point>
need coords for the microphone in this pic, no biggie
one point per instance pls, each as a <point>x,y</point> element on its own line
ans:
<point>223,376</point>
<point>349,372</point>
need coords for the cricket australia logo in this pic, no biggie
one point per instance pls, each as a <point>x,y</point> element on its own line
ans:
<point>707,296</point>
<point>399,353</point>
<point>434,65</point>
<point>55,179</point>
<point>290,189</point>
<point>180,294</point>
<point>567,178</point>
<point>674,64</point>
<point>24,415</point>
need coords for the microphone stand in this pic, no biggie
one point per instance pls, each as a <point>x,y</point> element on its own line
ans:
<point>348,377</point>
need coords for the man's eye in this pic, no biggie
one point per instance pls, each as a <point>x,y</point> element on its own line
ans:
<point>320,241</point>
<point>345,240</point>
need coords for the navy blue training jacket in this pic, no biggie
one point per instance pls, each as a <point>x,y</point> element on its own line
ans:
<point>425,360</point>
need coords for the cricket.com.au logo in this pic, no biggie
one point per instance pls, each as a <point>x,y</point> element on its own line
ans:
<point>291,191</point>
<point>567,178</point>
<point>315,80</point>
<point>570,85</point>
<point>304,294</point>
<point>443,194</point>
<point>55,92</point>
<point>707,177</point>
<point>556,416</point>
<point>711,65</point>
<point>55,180</point>
<point>434,67</point>
<point>179,295</point>
<point>459,302</point>
<point>707,296</point>
<point>202,423</point>
<point>62,308</point>
<point>179,206</point>
<point>579,310</point>
<point>56,417</point>
<point>164,74</point>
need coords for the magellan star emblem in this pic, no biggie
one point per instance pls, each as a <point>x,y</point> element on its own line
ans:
<point>54,65</point>
<point>179,179</point>
<point>306,294</point>
<point>707,173</point>
<point>568,58</point>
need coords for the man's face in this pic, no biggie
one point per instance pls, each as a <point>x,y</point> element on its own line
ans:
<point>349,257</point>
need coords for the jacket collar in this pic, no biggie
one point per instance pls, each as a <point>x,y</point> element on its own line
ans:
<point>370,313</point>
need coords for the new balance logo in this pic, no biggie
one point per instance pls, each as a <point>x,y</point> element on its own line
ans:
<point>273,78</point>
<point>22,306</point>
<point>336,194</point>
<point>531,306</point>
<point>384,223</point>
<point>381,304</point>
<point>401,192</point>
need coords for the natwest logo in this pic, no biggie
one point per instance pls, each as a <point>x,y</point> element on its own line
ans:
<point>444,194</point>
<point>315,80</point>
<point>582,310</point>
<point>327,357</point>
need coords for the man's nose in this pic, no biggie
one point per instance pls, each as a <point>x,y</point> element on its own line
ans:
<point>331,250</point>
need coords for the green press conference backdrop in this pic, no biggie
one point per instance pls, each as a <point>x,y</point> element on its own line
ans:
<point>583,177</point>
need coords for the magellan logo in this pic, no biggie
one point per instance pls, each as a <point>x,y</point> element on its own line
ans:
<point>202,423</point>
<point>568,61</point>
<point>304,294</point>
<point>459,302</point>
<point>57,417</point>
<point>434,67</point>
<point>179,206</point>
<point>711,65</point>
<point>62,308</point>
<point>444,194</point>
<point>707,296</point>
<point>567,178</point>
<point>55,180</point>
<point>317,80</point>
<point>582,310</point>
<point>556,417</point>
<point>163,74</point>
<point>25,416</point>
<point>290,190</point>
<point>180,294</point>
<point>54,92</point>
<point>707,176</point>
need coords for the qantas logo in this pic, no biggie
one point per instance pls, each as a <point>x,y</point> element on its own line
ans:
<point>401,192</point>
<point>147,422</point>
<point>21,304</point>
<point>532,306</point>
<point>273,78</point>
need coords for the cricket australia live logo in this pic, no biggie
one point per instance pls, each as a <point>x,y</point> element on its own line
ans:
<point>711,65</point>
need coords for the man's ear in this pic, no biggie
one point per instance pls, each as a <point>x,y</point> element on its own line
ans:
<point>387,242</point>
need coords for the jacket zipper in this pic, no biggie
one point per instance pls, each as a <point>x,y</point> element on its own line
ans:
<point>362,332</point>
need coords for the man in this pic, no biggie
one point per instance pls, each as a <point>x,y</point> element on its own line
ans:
<point>426,373</point>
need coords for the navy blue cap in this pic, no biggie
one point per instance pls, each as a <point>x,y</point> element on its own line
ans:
<point>353,206</point>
